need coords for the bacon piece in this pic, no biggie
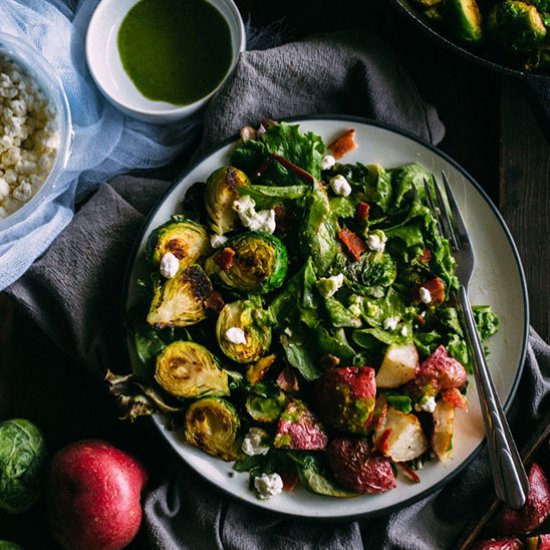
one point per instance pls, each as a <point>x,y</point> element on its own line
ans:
<point>362,211</point>
<point>436,288</point>
<point>214,302</point>
<point>409,472</point>
<point>287,380</point>
<point>343,144</point>
<point>354,245</point>
<point>290,479</point>
<point>455,398</point>
<point>426,256</point>
<point>225,258</point>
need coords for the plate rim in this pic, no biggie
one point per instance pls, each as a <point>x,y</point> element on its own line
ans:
<point>405,133</point>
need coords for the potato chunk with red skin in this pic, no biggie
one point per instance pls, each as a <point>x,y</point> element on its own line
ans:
<point>353,465</point>
<point>535,510</point>
<point>346,397</point>
<point>399,366</point>
<point>300,429</point>
<point>440,371</point>
<point>442,436</point>
<point>504,543</point>
<point>399,436</point>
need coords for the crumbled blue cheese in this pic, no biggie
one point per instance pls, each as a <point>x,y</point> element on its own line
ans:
<point>217,241</point>
<point>425,296</point>
<point>235,335</point>
<point>329,286</point>
<point>426,404</point>
<point>268,485</point>
<point>390,323</point>
<point>328,162</point>
<point>376,241</point>
<point>340,186</point>
<point>253,442</point>
<point>264,220</point>
<point>169,265</point>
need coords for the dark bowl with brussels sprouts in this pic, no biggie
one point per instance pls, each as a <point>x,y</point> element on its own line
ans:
<point>508,36</point>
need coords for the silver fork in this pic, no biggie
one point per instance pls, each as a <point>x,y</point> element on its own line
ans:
<point>509,476</point>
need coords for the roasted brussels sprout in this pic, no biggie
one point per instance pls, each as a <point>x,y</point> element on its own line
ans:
<point>244,330</point>
<point>258,263</point>
<point>265,409</point>
<point>179,302</point>
<point>211,424</point>
<point>187,369</point>
<point>185,239</point>
<point>516,26</point>
<point>465,19</point>
<point>221,191</point>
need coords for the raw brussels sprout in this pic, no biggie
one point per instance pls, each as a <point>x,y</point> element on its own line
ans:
<point>185,239</point>
<point>374,269</point>
<point>243,330</point>
<point>187,369</point>
<point>516,26</point>
<point>465,19</point>
<point>221,191</point>
<point>259,263</point>
<point>179,302</point>
<point>212,424</point>
<point>22,461</point>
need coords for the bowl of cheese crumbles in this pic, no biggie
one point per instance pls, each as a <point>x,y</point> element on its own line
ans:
<point>35,130</point>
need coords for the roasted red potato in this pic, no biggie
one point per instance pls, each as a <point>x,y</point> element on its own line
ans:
<point>399,366</point>
<point>300,429</point>
<point>535,510</point>
<point>346,397</point>
<point>353,465</point>
<point>441,371</point>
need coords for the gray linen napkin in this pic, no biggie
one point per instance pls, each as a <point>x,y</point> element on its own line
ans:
<point>73,294</point>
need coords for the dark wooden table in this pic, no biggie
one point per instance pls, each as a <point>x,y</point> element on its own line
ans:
<point>490,131</point>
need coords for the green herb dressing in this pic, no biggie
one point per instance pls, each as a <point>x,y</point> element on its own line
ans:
<point>176,51</point>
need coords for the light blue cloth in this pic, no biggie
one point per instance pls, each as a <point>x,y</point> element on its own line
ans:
<point>106,142</point>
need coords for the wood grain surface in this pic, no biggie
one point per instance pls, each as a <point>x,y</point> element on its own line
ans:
<point>525,196</point>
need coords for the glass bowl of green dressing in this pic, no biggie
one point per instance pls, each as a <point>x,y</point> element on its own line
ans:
<point>162,60</point>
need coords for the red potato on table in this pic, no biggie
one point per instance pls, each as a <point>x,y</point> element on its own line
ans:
<point>353,465</point>
<point>300,429</point>
<point>503,543</point>
<point>399,366</point>
<point>399,436</point>
<point>535,510</point>
<point>93,495</point>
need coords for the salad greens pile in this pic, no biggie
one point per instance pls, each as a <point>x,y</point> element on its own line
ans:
<point>299,318</point>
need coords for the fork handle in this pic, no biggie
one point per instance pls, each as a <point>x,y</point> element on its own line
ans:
<point>509,475</point>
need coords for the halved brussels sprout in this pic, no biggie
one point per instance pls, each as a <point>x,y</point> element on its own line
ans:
<point>243,330</point>
<point>265,409</point>
<point>179,302</point>
<point>516,26</point>
<point>256,371</point>
<point>219,195</point>
<point>259,263</point>
<point>465,18</point>
<point>185,239</point>
<point>212,424</point>
<point>186,369</point>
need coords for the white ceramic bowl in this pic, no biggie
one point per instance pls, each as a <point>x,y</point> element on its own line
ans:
<point>50,83</point>
<point>106,67</point>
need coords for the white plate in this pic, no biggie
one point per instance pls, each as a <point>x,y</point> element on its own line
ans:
<point>498,280</point>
